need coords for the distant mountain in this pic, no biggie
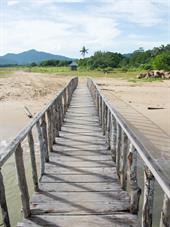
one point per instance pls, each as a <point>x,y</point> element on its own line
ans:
<point>30,56</point>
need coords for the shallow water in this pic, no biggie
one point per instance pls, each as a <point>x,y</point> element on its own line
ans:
<point>11,182</point>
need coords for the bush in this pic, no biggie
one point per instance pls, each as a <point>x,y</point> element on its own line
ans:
<point>147,67</point>
<point>162,61</point>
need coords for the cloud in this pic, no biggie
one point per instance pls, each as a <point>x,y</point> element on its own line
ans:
<point>63,27</point>
<point>12,2</point>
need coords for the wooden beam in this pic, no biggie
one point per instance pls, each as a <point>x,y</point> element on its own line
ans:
<point>33,161</point>
<point>135,190</point>
<point>165,214</point>
<point>22,181</point>
<point>3,203</point>
<point>147,211</point>
<point>123,160</point>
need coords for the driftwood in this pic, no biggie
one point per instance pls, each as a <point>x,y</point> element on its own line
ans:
<point>28,113</point>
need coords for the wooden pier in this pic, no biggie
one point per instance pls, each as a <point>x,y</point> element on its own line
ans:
<point>88,157</point>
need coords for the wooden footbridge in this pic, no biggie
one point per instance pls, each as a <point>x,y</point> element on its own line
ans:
<point>88,160</point>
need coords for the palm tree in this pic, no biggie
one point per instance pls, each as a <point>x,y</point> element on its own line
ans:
<point>84,51</point>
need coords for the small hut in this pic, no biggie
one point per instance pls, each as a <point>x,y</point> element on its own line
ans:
<point>73,66</point>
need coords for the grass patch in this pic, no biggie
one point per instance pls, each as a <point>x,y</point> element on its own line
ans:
<point>65,71</point>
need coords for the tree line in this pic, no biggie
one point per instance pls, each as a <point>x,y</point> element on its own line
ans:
<point>156,58</point>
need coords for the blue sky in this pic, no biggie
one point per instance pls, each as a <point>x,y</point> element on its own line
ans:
<point>64,26</point>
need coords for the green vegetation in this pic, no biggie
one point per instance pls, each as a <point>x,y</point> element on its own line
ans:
<point>157,58</point>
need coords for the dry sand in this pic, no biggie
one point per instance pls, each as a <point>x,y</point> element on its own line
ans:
<point>132,101</point>
<point>20,89</point>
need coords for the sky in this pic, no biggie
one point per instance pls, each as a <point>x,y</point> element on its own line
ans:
<point>64,26</point>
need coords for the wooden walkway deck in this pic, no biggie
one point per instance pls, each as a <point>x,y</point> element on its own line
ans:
<point>80,186</point>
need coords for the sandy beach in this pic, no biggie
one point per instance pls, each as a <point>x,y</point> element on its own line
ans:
<point>33,90</point>
<point>146,109</point>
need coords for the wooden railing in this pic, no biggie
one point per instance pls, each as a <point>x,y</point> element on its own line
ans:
<point>125,148</point>
<point>48,124</point>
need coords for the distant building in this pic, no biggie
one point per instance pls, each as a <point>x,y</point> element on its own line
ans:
<point>73,66</point>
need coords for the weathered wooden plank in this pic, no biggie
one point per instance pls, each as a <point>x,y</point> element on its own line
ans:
<point>79,197</point>
<point>22,181</point>
<point>80,187</point>
<point>77,208</point>
<point>3,203</point>
<point>112,220</point>
<point>66,169</point>
<point>33,161</point>
<point>77,179</point>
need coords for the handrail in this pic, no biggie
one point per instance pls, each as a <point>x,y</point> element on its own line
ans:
<point>125,140</point>
<point>48,123</point>
<point>11,147</point>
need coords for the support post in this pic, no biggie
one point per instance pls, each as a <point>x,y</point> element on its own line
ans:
<point>50,138</point>
<point>22,181</point>
<point>135,190</point>
<point>108,128</point>
<point>165,214</point>
<point>123,160</point>
<point>113,138</point>
<point>42,146</point>
<point>44,132</point>
<point>118,149</point>
<point>147,211</point>
<point>3,203</point>
<point>33,161</point>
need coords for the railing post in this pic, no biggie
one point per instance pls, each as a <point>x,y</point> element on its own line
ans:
<point>113,138</point>
<point>42,146</point>
<point>50,137</point>
<point>62,110</point>
<point>65,102</point>
<point>100,110</point>
<point>3,203</point>
<point>135,191</point>
<point>56,121</point>
<point>165,214</point>
<point>44,132</point>
<point>33,161</point>
<point>123,160</point>
<point>103,116</point>
<point>118,148</point>
<point>97,101</point>
<point>22,181</point>
<point>147,211</point>
<point>108,128</point>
